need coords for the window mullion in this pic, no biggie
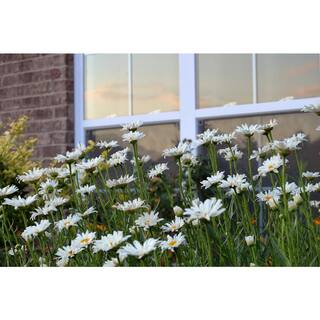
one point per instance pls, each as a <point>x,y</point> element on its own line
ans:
<point>79,131</point>
<point>130,109</point>
<point>187,94</point>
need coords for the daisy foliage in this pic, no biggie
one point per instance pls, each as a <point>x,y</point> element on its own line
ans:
<point>209,202</point>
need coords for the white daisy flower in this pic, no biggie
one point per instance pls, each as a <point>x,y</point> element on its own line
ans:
<point>189,160</point>
<point>83,239</point>
<point>271,198</point>
<point>207,137</point>
<point>173,242</point>
<point>90,164</point>
<point>235,184</point>
<point>132,126</point>
<point>312,187</point>
<point>230,154</point>
<point>87,212</point>
<point>271,165</point>
<point>68,222</point>
<point>310,175</point>
<point>65,172</point>
<point>32,231</point>
<point>148,219</point>
<point>31,175</point>
<point>158,170</point>
<point>48,188</point>
<point>120,182</point>
<point>18,202</point>
<point>65,253</point>
<point>174,225</point>
<point>130,205</point>
<point>139,250</point>
<point>71,156</point>
<point>204,210</point>
<point>212,180</point>
<point>267,127</point>
<point>249,130</point>
<point>118,158</point>
<point>86,189</point>
<point>144,159</point>
<point>262,152</point>
<point>43,211</point>
<point>109,242</point>
<point>226,137</point>
<point>290,188</point>
<point>107,144</point>
<point>133,136</point>
<point>285,146</point>
<point>6,191</point>
<point>177,151</point>
<point>111,263</point>
<point>56,201</point>
<point>250,240</point>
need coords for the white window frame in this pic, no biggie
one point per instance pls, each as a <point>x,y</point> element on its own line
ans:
<point>188,115</point>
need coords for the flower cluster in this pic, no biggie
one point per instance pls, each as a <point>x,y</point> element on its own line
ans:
<point>119,208</point>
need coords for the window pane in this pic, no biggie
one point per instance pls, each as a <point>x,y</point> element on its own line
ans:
<point>285,75</point>
<point>158,137</point>
<point>155,83</point>
<point>106,85</point>
<point>223,79</point>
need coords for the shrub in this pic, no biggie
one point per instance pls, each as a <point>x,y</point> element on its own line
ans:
<point>15,152</point>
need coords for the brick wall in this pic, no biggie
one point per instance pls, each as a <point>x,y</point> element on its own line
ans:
<point>41,87</point>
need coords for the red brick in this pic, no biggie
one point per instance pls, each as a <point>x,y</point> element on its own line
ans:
<point>41,87</point>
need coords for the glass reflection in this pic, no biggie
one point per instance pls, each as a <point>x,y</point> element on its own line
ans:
<point>224,79</point>
<point>155,83</point>
<point>287,75</point>
<point>106,85</point>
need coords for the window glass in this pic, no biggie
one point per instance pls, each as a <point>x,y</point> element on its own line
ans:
<point>155,83</point>
<point>224,79</point>
<point>287,75</point>
<point>106,86</point>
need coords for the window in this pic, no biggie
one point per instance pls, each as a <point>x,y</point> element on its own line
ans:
<point>189,92</point>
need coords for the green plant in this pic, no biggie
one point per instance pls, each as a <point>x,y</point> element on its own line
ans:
<point>15,151</point>
<point>77,215</point>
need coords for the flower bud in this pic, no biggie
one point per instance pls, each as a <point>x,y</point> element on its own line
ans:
<point>250,240</point>
<point>178,211</point>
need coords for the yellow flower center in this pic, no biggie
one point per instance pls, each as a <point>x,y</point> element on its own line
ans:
<point>85,241</point>
<point>172,243</point>
<point>71,253</point>
<point>270,167</point>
